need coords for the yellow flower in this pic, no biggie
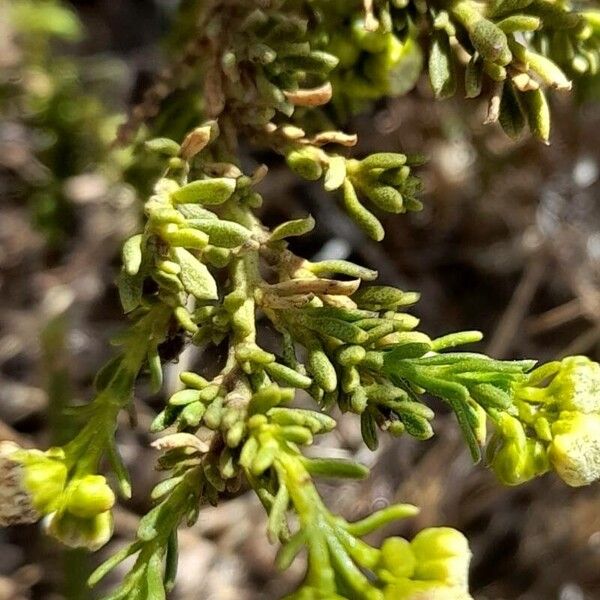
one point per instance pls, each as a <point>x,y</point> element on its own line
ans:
<point>80,532</point>
<point>575,448</point>
<point>397,559</point>
<point>90,496</point>
<point>31,483</point>
<point>513,456</point>
<point>443,556</point>
<point>84,518</point>
<point>434,566</point>
<point>577,385</point>
<point>34,484</point>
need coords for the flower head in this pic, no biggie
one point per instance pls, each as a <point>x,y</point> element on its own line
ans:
<point>575,448</point>
<point>80,532</point>
<point>32,483</point>
<point>434,566</point>
<point>443,556</point>
<point>577,385</point>
<point>514,457</point>
<point>35,484</point>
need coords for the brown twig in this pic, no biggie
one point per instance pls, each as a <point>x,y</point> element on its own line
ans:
<point>517,308</point>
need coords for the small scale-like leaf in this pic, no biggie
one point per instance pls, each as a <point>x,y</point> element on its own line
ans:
<point>171,561</point>
<point>364,218</point>
<point>132,254</point>
<point>264,458</point>
<point>164,487</point>
<point>287,376</point>
<point>164,419</point>
<point>537,110</point>
<point>290,549</point>
<point>383,160</point>
<point>222,233</point>
<point>377,297</point>
<point>205,191</point>
<point>441,66</point>
<point>368,429</point>
<point>119,469</point>
<point>547,70</point>
<point>336,328</point>
<point>335,467</point>
<point>191,415</point>
<point>516,23</point>
<point>335,174</point>
<point>130,290</point>
<point>183,397</point>
<point>195,211</point>
<point>292,228</point>
<point>196,278</point>
<point>105,375</point>
<point>511,115</point>
<point>155,368</point>
<point>384,197</point>
<point>317,422</point>
<point>456,339</point>
<point>490,41</point>
<point>358,400</point>
<point>164,146</point>
<point>416,425</point>
<point>248,453</point>
<point>277,513</point>
<point>186,237</point>
<point>321,368</point>
<point>500,7</point>
<point>380,518</point>
<point>149,524</point>
<point>474,77</point>
<point>114,560</point>
<point>490,396</point>
<point>155,587</point>
<point>191,379</point>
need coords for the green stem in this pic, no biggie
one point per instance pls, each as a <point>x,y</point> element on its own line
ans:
<point>311,511</point>
<point>86,450</point>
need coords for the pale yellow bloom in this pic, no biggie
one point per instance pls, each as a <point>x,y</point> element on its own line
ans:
<point>77,532</point>
<point>575,448</point>
<point>577,385</point>
<point>31,483</point>
<point>434,566</point>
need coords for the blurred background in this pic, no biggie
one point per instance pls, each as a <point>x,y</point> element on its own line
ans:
<point>508,243</point>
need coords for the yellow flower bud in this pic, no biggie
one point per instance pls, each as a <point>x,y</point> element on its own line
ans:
<point>443,555</point>
<point>397,557</point>
<point>514,464</point>
<point>575,448</point>
<point>512,456</point>
<point>90,496</point>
